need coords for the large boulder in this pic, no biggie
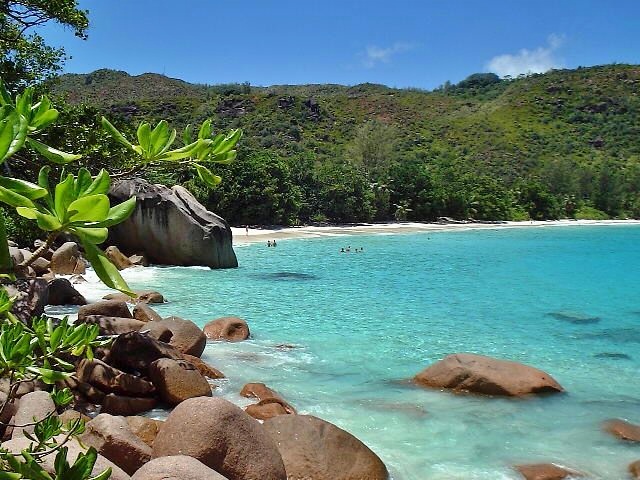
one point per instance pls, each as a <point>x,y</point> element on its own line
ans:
<point>176,467</point>
<point>127,406</point>
<point>546,471</point>
<point>270,403</point>
<point>67,260</point>
<point>231,329</point>
<point>61,292</point>
<point>31,296</point>
<point>623,430</point>
<point>313,448</point>
<point>142,296</point>
<point>467,372</point>
<point>112,438</point>
<point>170,227</point>
<point>186,337</point>
<point>146,429</point>
<point>111,380</point>
<point>145,313</point>
<point>203,367</point>
<point>223,437</point>
<point>135,351</point>
<point>114,325</point>
<point>35,405</point>
<point>178,380</point>
<point>107,308</point>
<point>119,259</point>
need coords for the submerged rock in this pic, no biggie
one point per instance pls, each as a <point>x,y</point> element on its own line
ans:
<point>314,449</point>
<point>613,356</point>
<point>546,471</point>
<point>231,329</point>
<point>623,430</point>
<point>170,227</point>
<point>634,469</point>
<point>466,372</point>
<point>576,318</point>
<point>270,403</point>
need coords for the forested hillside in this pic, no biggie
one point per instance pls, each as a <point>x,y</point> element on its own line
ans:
<point>561,144</point>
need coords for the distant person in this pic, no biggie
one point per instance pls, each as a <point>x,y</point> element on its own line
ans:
<point>348,248</point>
<point>342,250</point>
<point>274,243</point>
<point>268,243</point>
<point>246,230</point>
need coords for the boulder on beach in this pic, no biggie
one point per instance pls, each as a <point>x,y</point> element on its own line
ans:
<point>127,406</point>
<point>623,430</point>
<point>111,380</point>
<point>186,336</point>
<point>178,380</point>
<point>312,448</point>
<point>270,403</point>
<point>176,467</point>
<point>203,367</point>
<point>142,296</point>
<point>67,260</point>
<point>231,329</point>
<point>113,325</point>
<point>170,227</point>
<point>146,429</point>
<point>546,471</point>
<point>135,351</point>
<point>466,372</point>
<point>223,437</point>
<point>35,405</point>
<point>145,313</point>
<point>61,292</point>
<point>107,308</point>
<point>119,259</point>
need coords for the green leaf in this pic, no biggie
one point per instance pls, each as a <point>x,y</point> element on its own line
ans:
<point>207,177</point>
<point>14,199</point>
<point>64,196</point>
<point>50,376</point>
<point>187,138</point>
<point>229,142</point>
<point>224,158</point>
<point>205,130</point>
<point>45,221</point>
<point>100,184</point>
<point>44,116</point>
<point>52,154</point>
<point>95,235</point>
<point>181,153</point>
<point>159,137</point>
<point>24,188</point>
<point>24,102</point>
<point>92,208</point>
<point>119,213</point>
<point>6,262</point>
<point>13,132</point>
<point>115,133</point>
<point>82,182</point>
<point>106,271</point>
<point>5,98</point>
<point>144,137</point>
<point>10,476</point>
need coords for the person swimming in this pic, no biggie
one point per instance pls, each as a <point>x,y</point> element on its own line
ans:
<point>342,250</point>
<point>268,243</point>
<point>274,243</point>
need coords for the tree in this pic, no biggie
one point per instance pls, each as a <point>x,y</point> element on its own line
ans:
<point>374,148</point>
<point>25,58</point>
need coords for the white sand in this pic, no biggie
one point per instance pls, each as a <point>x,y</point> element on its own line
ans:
<point>240,236</point>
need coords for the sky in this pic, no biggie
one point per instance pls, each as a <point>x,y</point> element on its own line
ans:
<point>400,43</point>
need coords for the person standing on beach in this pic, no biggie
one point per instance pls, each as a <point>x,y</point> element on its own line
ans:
<point>246,230</point>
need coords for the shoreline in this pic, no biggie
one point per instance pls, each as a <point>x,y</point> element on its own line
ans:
<point>262,234</point>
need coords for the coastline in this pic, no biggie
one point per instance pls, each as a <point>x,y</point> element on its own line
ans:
<point>262,234</point>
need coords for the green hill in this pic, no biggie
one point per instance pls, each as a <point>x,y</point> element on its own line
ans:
<point>553,145</point>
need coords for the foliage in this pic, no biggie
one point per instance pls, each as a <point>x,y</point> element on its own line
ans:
<point>589,213</point>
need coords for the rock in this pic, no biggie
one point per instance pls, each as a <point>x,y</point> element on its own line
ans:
<point>36,405</point>
<point>107,308</point>
<point>146,429</point>
<point>127,406</point>
<point>67,260</point>
<point>83,391</point>
<point>41,265</point>
<point>232,329</point>
<point>178,380</point>
<point>17,257</point>
<point>186,336</point>
<point>623,430</point>
<point>139,260</point>
<point>72,415</point>
<point>24,387</point>
<point>269,408</point>
<point>136,351</point>
<point>75,279</point>
<point>203,367</point>
<point>485,375</point>
<point>15,446</point>
<point>313,448</point>
<point>545,471</point>
<point>111,380</point>
<point>176,467</point>
<point>114,325</point>
<point>61,292</point>
<point>634,469</point>
<point>145,313</point>
<point>113,439</point>
<point>119,259</point>
<point>143,296</point>
<point>223,437</point>
<point>31,296</point>
<point>259,391</point>
<point>170,227</point>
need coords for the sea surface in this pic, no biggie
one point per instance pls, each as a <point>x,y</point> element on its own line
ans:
<point>339,334</point>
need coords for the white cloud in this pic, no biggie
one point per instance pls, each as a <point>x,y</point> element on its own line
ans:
<point>375,55</point>
<point>540,60</point>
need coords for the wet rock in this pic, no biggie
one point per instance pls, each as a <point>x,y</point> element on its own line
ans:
<point>139,260</point>
<point>634,470</point>
<point>269,408</point>
<point>146,429</point>
<point>176,467</point>
<point>313,448</point>
<point>119,259</point>
<point>546,471</point>
<point>203,367</point>
<point>111,380</point>
<point>114,325</point>
<point>186,337</point>
<point>231,329</point>
<point>223,437</point>
<point>171,227</point>
<point>67,260</point>
<point>178,380</point>
<point>143,296</point>
<point>135,351</point>
<point>107,308</point>
<point>145,313</point>
<point>113,439</point>
<point>623,430</point>
<point>34,405</point>
<point>61,292</point>
<point>31,296</point>
<point>127,406</point>
<point>464,372</point>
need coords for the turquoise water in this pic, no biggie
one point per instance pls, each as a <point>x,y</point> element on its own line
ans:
<point>338,334</point>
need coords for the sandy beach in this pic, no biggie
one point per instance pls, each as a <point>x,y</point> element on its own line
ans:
<point>242,236</point>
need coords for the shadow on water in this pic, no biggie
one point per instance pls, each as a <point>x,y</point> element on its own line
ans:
<point>285,276</point>
<point>574,317</point>
<point>613,356</point>
<point>614,335</point>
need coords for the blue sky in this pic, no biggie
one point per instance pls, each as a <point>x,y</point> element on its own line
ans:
<point>403,43</point>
